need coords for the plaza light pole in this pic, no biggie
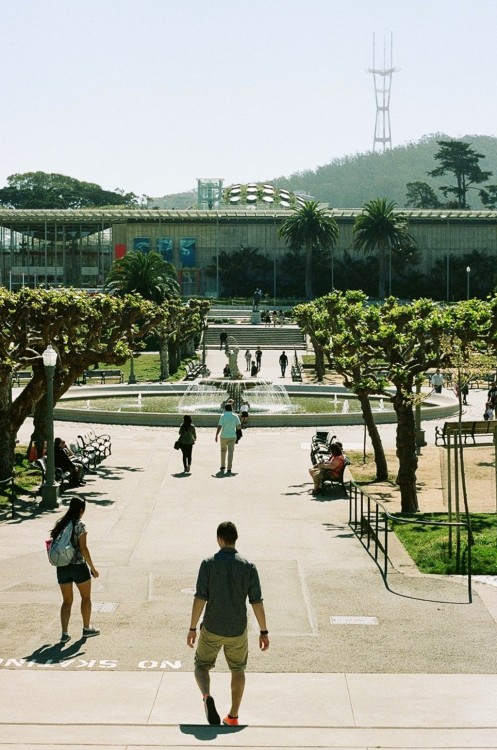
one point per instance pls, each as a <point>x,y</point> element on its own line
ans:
<point>50,488</point>
<point>468,271</point>
<point>132,378</point>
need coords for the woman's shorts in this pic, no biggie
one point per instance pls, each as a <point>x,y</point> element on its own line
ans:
<point>235,650</point>
<point>73,573</point>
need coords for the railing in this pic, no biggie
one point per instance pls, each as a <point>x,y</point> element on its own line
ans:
<point>4,485</point>
<point>369,518</point>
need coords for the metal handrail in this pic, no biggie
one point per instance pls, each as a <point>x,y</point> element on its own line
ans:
<point>362,514</point>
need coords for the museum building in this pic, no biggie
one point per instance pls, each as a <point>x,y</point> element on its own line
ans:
<point>76,247</point>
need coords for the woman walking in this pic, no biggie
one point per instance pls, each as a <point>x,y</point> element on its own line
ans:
<point>79,571</point>
<point>186,440</point>
<point>248,359</point>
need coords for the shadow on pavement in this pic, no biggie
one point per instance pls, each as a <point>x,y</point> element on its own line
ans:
<point>201,732</point>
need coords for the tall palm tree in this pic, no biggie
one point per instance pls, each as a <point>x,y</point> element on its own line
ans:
<point>148,275</point>
<point>309,226</point>
<point>379,228</point>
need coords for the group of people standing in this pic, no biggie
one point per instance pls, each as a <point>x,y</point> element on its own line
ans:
<point>253,365</point>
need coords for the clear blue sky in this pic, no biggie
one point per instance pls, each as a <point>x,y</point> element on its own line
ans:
<point>148,95</point>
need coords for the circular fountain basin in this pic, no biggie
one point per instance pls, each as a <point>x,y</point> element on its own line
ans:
<point>163,405</point>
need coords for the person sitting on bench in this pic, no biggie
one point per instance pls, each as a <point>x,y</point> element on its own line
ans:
<point>332,468</point>
<point>64,459</point>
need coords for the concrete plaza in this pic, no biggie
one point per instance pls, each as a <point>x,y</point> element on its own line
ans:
<point>351,664</point>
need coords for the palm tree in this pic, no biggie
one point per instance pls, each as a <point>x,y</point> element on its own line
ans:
<point>379,228</point>
<point>148,275</point>
<point>309,226</point>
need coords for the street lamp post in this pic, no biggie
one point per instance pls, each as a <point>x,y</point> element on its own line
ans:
<point>50,488</point>
<point>468,271</point>
<point>132,377</point>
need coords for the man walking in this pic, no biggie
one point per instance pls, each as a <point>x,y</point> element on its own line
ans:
<point>437,381</point>
<point>223,337</point>
<point>224,583</point>
<point>228,422</point>
<point>258,357</point>
<point>283,363</point>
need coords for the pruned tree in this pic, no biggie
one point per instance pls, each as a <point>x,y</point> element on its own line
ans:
<point>463,162</point>
<point>84,329</point>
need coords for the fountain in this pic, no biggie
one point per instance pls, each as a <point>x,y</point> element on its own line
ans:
<point>210,394</point>
<point>139,400</point>
<point>345,406</point>
<point>381,405</point>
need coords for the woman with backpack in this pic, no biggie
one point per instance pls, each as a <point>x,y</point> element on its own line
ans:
<point>186,440</point>
<point>79,571</point>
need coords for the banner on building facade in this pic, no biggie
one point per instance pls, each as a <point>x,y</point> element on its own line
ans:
<point>187,252</point>
<point>141,244</point>
<point>165,248</point>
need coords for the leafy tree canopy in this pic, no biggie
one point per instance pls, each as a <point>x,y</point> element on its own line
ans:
<point>43,190</point>
<point>146,274</point>
<point>462,161</point>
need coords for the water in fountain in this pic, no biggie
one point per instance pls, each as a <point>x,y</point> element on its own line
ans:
<point>345,406</point>
<point>335,400</point>
<point>381,405</point>
<point>88,404</point>
<point>139,399</point>
<point>209,395</point>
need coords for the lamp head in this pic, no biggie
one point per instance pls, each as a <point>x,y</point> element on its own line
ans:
<point>49,356</point>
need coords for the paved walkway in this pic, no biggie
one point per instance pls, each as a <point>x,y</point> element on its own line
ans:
<point>350,665</point>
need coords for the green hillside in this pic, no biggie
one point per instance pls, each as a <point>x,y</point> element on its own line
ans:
<point>351,181</point>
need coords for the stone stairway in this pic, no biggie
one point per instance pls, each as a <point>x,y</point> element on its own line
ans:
<point>250,336</point>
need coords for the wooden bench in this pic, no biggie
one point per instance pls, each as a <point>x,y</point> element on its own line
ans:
<point>320,445</point>
<point>100,445</point>
<point>21,375</point>
<point>195,370</point>
<point>60,476</point>
<point>330,482</point>
<point>296,372</point>
<point>469,430</point>
<point>104,375</point>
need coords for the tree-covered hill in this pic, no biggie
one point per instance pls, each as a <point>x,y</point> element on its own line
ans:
<point>351,181</point>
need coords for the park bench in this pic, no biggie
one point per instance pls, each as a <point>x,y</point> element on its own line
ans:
<point>20,376</point>
<point>195,369</point>
<point>7,486</point>
<point>320,445</point>
<point>329,482</point>
<point>100,444</point>
<point>62,477</point>
<point>469,430</point>
<point>296,372</point>
<point>104,375</point>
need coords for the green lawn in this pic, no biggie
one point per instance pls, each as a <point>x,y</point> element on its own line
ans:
<point>429,545</point>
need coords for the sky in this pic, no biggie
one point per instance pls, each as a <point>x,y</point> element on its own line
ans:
<point>149,95</point>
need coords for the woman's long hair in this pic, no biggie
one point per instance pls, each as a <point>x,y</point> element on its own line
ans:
<point>186,424</point>
<point>73,514</point>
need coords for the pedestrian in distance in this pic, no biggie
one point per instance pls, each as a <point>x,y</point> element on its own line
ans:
<point>225,581</point>
<point>79,571</point>
<point>248,359</point>
<point>228,423</point>
<point>258,357</point>
<point>223,337</point>
<point>437,381</point>
<point>186,440</point>
<point>283,363</point>
<point>253,369</point>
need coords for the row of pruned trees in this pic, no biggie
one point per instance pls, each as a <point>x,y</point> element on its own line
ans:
<point>85,330</point>
<point>385,349</point>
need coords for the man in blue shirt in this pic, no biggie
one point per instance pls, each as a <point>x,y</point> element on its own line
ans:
<point>228,422</point>
<point>224,583</point>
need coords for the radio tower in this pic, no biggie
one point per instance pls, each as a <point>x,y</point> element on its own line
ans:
<point>382,84</point>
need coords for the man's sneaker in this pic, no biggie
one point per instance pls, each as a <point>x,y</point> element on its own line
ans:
<point>89,632</point>
<point>222,468</point>
<point>231,721</point>
<point>210,710</point>
<point>65,637</point>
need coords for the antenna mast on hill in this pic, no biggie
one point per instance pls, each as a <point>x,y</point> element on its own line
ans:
<point>382,84</point>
